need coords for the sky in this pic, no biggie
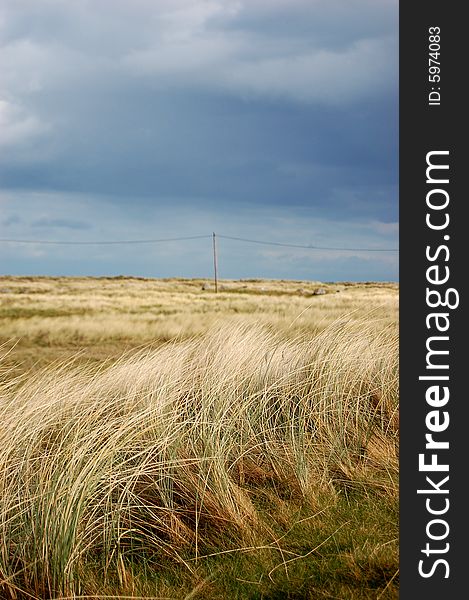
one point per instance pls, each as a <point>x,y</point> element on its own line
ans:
<point>269,120</point>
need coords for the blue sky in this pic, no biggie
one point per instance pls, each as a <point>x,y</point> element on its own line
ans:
<point>263,119</point>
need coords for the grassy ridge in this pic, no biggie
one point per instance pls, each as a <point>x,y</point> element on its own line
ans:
<point>242,462</point>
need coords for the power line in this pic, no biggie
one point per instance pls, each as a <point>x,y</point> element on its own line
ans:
<point>197,237</point>
<point>310,247</point>
<point>82,243</point>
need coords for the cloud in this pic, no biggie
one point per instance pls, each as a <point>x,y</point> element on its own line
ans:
<point>45,222</point>
<point>12,219</point>
<point>254,64</point>
<point>385,228</point>
<point>17,127</point>
<point>205,44</point>
<point>330,77</point>
<point>132,119</point>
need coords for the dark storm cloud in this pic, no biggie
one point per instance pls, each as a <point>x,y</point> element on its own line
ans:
<point>243,153</point>
<point>212,105</point>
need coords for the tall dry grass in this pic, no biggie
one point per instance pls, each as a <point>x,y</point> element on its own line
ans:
<point>77,312</point>
<point>161,456</point>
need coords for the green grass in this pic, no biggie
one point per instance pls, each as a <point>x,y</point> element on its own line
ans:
<point>27,313</point>
<point>341,552</point>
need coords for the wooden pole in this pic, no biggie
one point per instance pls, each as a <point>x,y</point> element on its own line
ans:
<point>215,263</point>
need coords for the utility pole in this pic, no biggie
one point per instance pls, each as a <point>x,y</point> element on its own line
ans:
<point>215,263</point>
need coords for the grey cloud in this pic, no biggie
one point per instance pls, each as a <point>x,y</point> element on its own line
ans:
<point>206,45</point>
<point>135,112</point>
<point>17,126</point>
<point>45,222</point>
<point>12,220</point>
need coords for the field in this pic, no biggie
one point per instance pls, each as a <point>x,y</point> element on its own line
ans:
<point>161,440</point>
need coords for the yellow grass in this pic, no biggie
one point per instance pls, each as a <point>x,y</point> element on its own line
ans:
<point>169,452</point>
<point>106,316</point>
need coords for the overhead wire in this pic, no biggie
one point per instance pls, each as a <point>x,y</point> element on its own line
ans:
<point>196,237</point>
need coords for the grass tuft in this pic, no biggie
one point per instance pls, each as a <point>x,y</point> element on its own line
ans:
<point>241,464</point>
